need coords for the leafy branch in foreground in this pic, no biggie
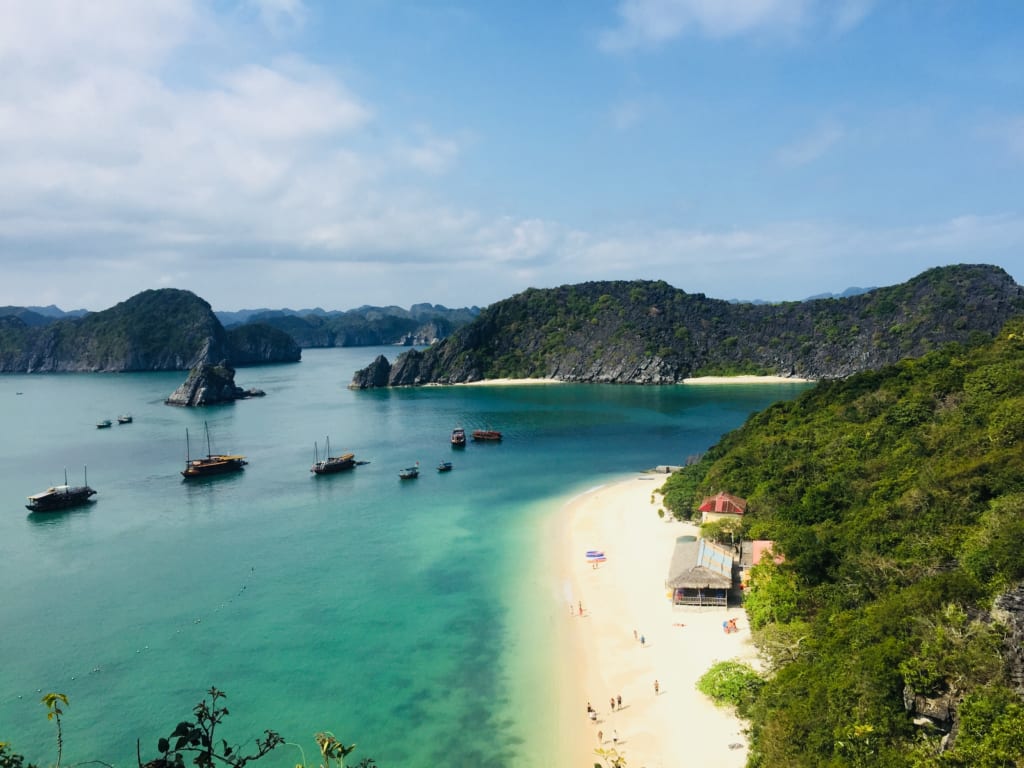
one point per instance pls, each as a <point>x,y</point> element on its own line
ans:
<point>198,738</point>
<point>53,702</point>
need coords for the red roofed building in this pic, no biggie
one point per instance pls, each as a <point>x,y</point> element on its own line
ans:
<point>722,506</point>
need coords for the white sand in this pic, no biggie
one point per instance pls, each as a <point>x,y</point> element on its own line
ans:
<point>697,380</point>
<point>508,382</point>
<point>679,726</point>
<point>747,380</point>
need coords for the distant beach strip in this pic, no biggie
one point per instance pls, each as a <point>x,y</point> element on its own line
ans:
<point>744,379</point>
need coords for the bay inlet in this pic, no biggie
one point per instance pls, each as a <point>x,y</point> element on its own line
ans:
<point>391,613</point>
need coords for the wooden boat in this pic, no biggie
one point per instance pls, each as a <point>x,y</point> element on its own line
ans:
<point>458,437</point>
<point>104,424</point>
<point>492,435</point>
<point>61,497</point>
<point>329,464</point>
<point>410,473</point>
<point>212,463</point>
<point>124,418</point>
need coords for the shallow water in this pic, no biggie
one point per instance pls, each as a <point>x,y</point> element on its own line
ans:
<point>389,612</point>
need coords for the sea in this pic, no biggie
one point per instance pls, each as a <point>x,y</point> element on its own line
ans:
<point>409,617</point>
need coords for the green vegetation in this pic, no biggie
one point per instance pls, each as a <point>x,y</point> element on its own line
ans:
<point>650,333</point>
<point>731,683</point>
<point>897,499</point>
<point>197,740</point>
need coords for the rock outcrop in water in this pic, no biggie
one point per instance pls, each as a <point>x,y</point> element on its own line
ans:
<point>210,385</point>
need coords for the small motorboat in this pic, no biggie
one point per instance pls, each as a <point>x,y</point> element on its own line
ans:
<point>410,473</point>
<point>104,424</point>
<point>124,418</point>
<point>444,466</point>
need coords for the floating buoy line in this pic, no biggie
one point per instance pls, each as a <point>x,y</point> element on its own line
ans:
<point>98,669</point>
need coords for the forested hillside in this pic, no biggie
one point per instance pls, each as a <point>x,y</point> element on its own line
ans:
<point>158,330</point>
<point>893,627</point>
<point>651,333</point>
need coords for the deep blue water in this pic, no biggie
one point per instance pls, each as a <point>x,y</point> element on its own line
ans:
<point>357,603</point>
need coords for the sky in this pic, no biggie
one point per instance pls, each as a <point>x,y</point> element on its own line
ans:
<point>336,153</point>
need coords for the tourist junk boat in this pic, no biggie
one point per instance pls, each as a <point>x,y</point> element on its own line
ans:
<point>61,496</point>
<point>410,473</point>
<point>484,435</point>
<point>212,463</point>
<point>329,464</point>
<point>458,438</point>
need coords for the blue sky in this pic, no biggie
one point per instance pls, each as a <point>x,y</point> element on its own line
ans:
<point>272,153</point>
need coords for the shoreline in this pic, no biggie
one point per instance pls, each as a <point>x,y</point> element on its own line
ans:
<point>699,380</point>
<point>677,725</point>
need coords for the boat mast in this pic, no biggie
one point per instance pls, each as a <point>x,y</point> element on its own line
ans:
<point>188,453</point>
<point>209,450</point>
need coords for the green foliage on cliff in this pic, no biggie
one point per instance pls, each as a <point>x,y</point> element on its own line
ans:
<point>652,333</point>
<point>158,330</point>
<point>897,499</point>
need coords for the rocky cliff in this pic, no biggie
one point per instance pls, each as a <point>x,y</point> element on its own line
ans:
<point>158,330</point>
<point>651,333</point>
<point>210,385</point>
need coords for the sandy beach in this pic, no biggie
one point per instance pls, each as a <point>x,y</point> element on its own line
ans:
<point>697,380</point>
<point>677,726</point>
<point>747,380</point>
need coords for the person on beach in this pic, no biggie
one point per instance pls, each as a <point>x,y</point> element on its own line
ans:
<point>600,737</point>
<point>618,701</point>
<point>635,636</point>
<point>643,641</point>
<point>611,703</point>
<point>615,736</point>
<point>581,607</point>
<point>657,688</point>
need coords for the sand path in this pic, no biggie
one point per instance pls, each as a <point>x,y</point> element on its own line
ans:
<point>678,726</point>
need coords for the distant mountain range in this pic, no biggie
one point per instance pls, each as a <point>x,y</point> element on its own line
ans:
<point>366,326</point>
<point>647,332</point>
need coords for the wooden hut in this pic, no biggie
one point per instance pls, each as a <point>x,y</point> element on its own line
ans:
<point>700,586</point>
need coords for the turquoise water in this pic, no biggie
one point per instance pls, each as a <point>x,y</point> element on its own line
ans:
<point>375,608</point>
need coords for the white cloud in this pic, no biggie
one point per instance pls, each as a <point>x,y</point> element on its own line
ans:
<point>431,155</point>
<point>650,22</point>
<point>849,13</point>
<point>280,16</point>
<point>811,147</point>
<point>646,23</point>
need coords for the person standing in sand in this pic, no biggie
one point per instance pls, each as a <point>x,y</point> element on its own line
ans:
<point>611,703</point>
<point>600,737</point>
<point>618,701</point>
<point>656,687</point>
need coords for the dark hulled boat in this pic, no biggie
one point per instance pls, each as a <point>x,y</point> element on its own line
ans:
<point>212,463</point>
<point>483,435</point>
<point>61,497</point>
<point>330,464</point>
<point>458,437</point>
